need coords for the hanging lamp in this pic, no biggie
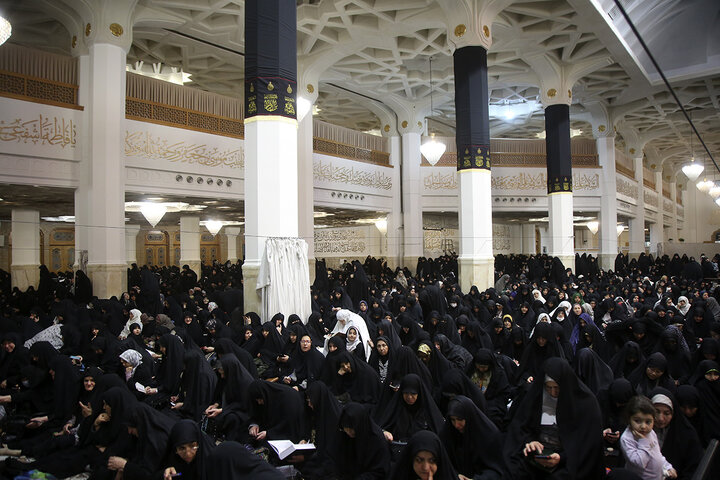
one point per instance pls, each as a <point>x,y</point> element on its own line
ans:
<point>432,150</point>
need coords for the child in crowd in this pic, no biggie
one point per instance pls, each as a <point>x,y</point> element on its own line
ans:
<point>639,443</point>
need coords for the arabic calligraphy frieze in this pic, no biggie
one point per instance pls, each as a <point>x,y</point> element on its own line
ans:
<point>667,206</point>
<point>329,241</point>
<point>650,198</point>
<point>501,238</point>
<point>145,145</point>
<point>521,181</point>
<point>439,181</point>
<point>626,188</point>
<point>526,181</point>
<point>40,131</point>
<point>326,171</point>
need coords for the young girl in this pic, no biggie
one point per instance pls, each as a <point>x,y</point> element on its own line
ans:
<point>640,445</point>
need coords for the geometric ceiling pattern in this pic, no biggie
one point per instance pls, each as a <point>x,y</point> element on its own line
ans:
<point>374,54</point>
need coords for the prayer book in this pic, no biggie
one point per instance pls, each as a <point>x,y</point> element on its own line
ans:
<point>285,448</point>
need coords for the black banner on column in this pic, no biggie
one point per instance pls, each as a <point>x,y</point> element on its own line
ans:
<point>557,144</point>
<point>471,108</point>
<point>270,58</point>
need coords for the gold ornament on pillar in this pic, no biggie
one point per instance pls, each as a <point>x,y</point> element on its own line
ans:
<point>551,93</point>
<point>486,31</point>
<point>74,41</point>
<point>404,124</point>
<point>116,29</point>
<point>386,128</point>
<point>310,88</point>
<point>88,29</point>
<point>460,30</point>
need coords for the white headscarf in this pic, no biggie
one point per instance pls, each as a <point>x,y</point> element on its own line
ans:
<point>539,296</point>
<point>133,358</point>
<point>565,305</point>
<point>347,319</point>
<point>684,310</point>
<point>134,318</point>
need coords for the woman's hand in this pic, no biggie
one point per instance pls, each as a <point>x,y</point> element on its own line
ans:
<point>116,463</point>
<point>168,473</point>
<point>549,462</point>
<point>214,412</point>
<point>533,446</point>
<point>37,422</point>
<point>671,473</point>
<point>388,436</point>
<point>5,399</point>
<point>610,436</point>
<point>85,410</point>
<point>102,418</point>
<point>177,406</point>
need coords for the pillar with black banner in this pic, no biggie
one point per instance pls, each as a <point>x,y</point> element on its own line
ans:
<point>271,170</point>
<point>475,261</point>
<point>559,183</point>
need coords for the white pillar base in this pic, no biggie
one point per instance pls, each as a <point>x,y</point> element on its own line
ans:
<point>251,298</point>
<point>476,271</point>
<point>107,280</point>
<point>24,276</point>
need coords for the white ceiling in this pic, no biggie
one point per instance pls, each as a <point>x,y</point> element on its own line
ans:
<point>373,54</point>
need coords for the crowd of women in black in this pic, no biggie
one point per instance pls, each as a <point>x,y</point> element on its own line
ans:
<point>393,375</point>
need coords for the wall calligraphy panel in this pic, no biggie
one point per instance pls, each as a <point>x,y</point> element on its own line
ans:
<point>626,188</point>
<point>38,130</point>
<point>512,179</point>
<point>161,147</point>
<point>346,174</point>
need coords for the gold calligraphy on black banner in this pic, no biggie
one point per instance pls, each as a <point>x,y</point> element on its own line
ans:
<point>473,157</point>
<point>559,183</point>
<point>270,96</point>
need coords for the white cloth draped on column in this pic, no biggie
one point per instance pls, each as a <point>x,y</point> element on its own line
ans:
<point>284,279</point>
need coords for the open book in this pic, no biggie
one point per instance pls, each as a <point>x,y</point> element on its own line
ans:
<point>285,448</point>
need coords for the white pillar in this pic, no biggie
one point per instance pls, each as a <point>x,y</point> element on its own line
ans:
<point>190,243</point>
<point>560,229</point>
<point>24,270</point>
<point>674,213</point>
<point>608,207</point>
<point>412,200</point>
<point>131,232</point>
<point>394,235</point>
<point>83,201</point>
<point>106,120</point>
<point>306,201</point>
<point>271,193</point>
<point>476,262</point>
<point>637,224</point>
<point>231,233</point>
<point>528,238</point>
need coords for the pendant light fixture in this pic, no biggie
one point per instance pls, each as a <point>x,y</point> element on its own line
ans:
<point>693,169</point>
<point>432,150</point>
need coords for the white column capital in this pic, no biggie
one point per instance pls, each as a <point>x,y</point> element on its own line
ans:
<point>232,231</point>
<point>131,230</point>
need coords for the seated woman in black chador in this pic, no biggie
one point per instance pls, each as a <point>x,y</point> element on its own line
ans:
<point>187,452</point>
<point>679,442</point>
<point>411,409</point>
<point>362,452</point>
<point>424,458</point>
<point>355,380</point>
<point>276,412</point>
<point>472,441</point>
<point>556,432</point>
